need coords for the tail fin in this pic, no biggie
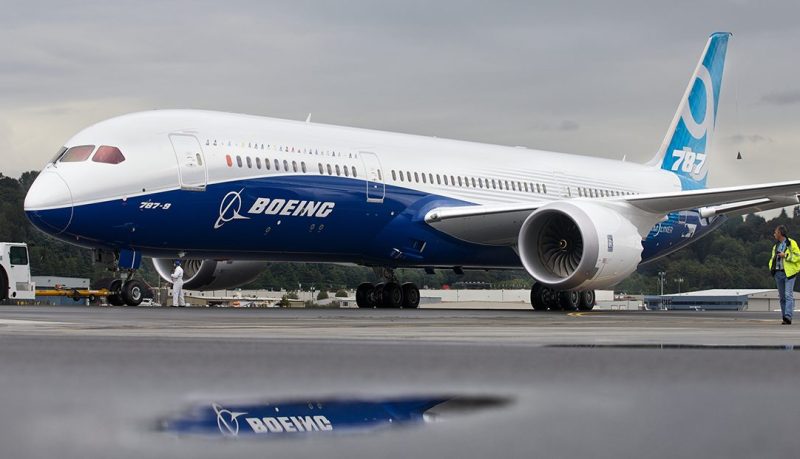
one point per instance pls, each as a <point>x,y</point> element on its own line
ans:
<point>688,140</point>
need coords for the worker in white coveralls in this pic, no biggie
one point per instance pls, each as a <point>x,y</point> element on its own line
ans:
<point>177,285</point>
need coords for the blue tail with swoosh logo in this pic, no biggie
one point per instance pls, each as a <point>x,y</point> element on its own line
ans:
<point>688,141</point>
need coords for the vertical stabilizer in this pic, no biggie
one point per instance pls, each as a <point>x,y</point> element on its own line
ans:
<point>688,141</point>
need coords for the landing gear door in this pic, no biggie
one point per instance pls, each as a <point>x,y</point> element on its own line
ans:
<point>376,188</point>
<point>191,162</point>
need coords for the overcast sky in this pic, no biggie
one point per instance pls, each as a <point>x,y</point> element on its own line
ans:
<point>600,78</point>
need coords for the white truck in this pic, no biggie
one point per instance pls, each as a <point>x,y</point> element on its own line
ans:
<point>15,272</point>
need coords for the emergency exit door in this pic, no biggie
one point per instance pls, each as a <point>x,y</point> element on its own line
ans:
<point>376,188</point>
<point>191,162</point>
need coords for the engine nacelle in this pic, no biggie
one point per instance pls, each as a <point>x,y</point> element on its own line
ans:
<point>574,245</point>
<point>211,274</point>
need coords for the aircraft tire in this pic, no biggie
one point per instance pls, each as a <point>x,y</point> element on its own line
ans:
<point>132,293</point>
<point>392,296</point>
<point>376,298</point>
<point>588,300</point>
<point>410,296</point>
<point>363,294</point>
<point>537,300</point>
<point>115,299</point>
<point>569,300</point>
<point>550,299</point>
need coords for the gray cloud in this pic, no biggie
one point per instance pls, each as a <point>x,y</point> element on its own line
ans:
<point>506,72</point>
<point>751,138</point>
<point>782,98</point>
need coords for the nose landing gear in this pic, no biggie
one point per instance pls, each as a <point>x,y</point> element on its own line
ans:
<point>125,291</point>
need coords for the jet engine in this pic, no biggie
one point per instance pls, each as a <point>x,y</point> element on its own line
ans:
<point>574,245</point>
<point>211,274</point>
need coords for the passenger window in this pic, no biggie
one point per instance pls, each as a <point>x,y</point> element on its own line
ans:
<point>346,172</point>
<point>494,184</point>
<point>424,180</point>
<point>229,160</point>
<point>473,182</point>
<point>401,176</point>
<point>445,181</point>
<point>330,171</point>
<point>544,188</point>
<point>199,159</point>
<point>353,169</point>
<point>380,177</point>
<point>303,166</point>
<point>266,164</point>
<point>408,175</point>
<point>459,181</point>
<point>249,162</point>
<point>111,155</point>
<point>538,189</point>
<point>430,178</point>
<point>18,255</point>
<point>500,184</point>
<point>258,163</point>
<point>277,166</point>
<point>337,170</point>
<point>480,182</point>
<point>238,160</point>
<point>438,179</point>
<point>294,166</point>
<point>526,186</point>
<point>394,176</point>
<point>77,154</point>
<point>286,165</point>
<point>321,170</point>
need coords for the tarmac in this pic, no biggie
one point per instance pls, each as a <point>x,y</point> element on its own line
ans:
<point>98,382</point>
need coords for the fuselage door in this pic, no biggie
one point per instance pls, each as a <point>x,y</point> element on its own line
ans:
<point>191,162</point>
<point>376,188</point>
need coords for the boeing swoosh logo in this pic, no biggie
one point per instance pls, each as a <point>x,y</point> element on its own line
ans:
<point>229,209</point>
<point>227,421</point>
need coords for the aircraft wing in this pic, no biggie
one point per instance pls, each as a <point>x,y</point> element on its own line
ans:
<point>712,201</point>
<point>500,224</point>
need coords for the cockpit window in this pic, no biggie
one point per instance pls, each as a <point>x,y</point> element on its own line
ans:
<point>58,155</point>
<point>108,155</point>
<point>77,154</point>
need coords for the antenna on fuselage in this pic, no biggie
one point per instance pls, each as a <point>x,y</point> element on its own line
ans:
<point>308,118</point>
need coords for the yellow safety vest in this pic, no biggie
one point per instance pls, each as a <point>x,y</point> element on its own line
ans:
<point>791,262</point>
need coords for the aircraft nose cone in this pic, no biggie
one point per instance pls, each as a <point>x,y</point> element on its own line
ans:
<point>48,203</point>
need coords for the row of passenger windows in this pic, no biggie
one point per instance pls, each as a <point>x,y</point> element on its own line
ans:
<point>597,193</point>
<point>294,166</point>
<point>407,176</point>
<point>469,182</point>
<point>279,148</point>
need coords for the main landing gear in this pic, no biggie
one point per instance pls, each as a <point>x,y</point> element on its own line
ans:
<point>544,298</point>
<point>387,294</point>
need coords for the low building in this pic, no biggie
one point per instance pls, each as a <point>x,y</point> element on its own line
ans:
<point>718,299</point>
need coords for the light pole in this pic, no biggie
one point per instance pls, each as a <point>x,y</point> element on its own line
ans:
<point>679,281</point>
<point>662,276</point>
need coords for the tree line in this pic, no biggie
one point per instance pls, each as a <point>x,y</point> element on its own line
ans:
<point>733,256</point>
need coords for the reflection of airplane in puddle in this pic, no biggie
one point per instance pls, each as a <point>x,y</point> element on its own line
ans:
<point>235,300</point>
<point>292,418</point>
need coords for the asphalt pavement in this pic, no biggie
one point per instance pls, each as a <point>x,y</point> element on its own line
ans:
<point>103,382</point>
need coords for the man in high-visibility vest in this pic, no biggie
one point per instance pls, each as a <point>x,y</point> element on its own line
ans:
<point>784,265</point>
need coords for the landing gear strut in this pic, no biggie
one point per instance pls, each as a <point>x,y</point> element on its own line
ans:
<point>127,290</point>
<point>544,298</point>
<point>387,294</point>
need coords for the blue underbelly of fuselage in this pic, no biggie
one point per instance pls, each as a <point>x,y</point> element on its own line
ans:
<point>307,218</point>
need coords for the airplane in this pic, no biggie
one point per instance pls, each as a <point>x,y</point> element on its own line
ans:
<point>228,193</point>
